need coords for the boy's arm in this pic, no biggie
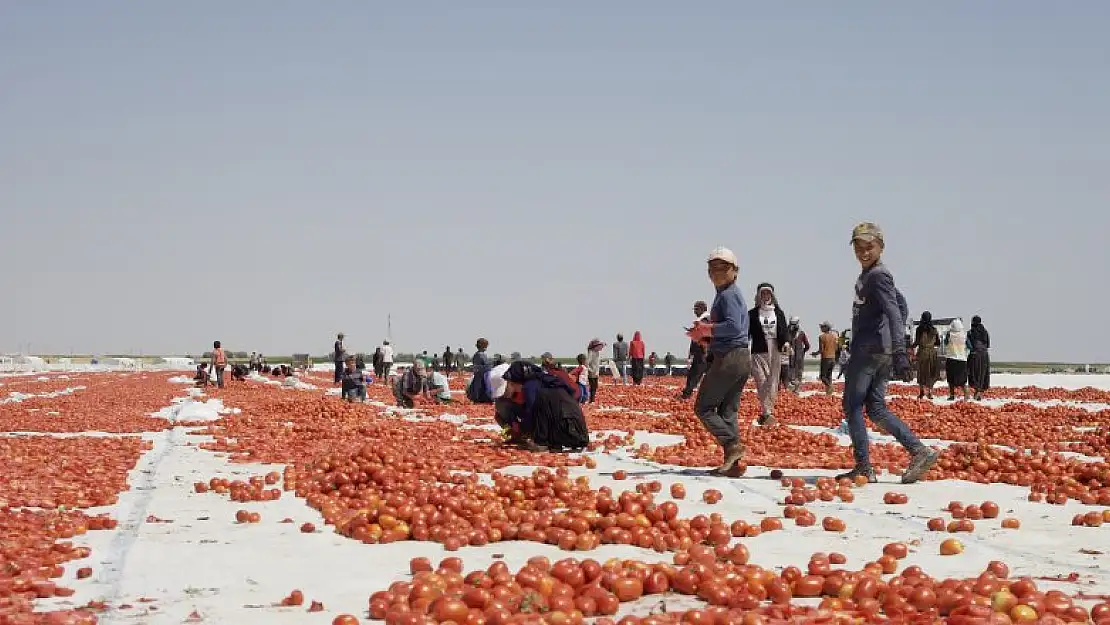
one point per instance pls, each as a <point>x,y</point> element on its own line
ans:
<point>882,287</point>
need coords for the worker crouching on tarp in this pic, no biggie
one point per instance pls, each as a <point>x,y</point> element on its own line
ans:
<point>541,411</point>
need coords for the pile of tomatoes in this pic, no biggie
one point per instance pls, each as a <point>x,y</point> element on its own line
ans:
<point>570,591</point>
<point>34,546</point>
<point>111,402</point>
<point>78,472</point>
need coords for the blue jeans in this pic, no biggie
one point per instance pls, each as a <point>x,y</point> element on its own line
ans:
<point>865,380</point>
<point>583,394</point>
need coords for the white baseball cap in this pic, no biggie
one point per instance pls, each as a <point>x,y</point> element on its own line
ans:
<point>722,253</point>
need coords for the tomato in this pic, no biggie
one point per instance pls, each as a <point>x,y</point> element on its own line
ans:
<point>809,586</point>
<point>656,583</point>
<point>1023,614</point>
<point>628,589</point>
<point>951,547</point>
<point>344,619</point>
<point>896,550</point>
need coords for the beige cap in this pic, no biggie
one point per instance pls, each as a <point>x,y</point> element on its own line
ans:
<point>722,253</point>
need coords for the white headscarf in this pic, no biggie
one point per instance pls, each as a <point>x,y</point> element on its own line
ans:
<point>956,340</point>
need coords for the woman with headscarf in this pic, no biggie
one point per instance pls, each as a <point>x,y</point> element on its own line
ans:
<point>978,360</point>
<point>636,351</point>
<point>768,338</point>
<point>549,415</point>
<point>925,343</point>
<point>955,362</point>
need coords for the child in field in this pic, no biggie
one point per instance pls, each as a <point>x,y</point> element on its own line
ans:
<point>581,376</point>
<point>202,375</point>
<point>354,384</point>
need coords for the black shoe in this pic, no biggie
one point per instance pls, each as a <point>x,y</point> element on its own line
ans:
<point>858,471</point>
<point>766,420</point>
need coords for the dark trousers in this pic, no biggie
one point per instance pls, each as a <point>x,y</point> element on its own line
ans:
<point>338,371</point>
<point>219,376</point>
<point>593,389</point>
<point>693,377</point>
<point>637,370</point>
<point>827,370</point>
<point>719,394</point>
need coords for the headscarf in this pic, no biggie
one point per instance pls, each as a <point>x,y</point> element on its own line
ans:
<point>957,340</point>
<point>759,292</point>
<point>521,372</point>
<point>926,319</point>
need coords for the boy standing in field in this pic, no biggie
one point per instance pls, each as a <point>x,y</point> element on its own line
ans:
<point>878,348</point>
<point>581,377</point>
<point>727,338</point>
<point>219,363</point>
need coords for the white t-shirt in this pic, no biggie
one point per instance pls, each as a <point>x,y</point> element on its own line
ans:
<point>440,381</point>
<point>387,353</point>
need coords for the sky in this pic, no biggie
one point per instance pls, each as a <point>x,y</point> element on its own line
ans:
<point>268,173</point>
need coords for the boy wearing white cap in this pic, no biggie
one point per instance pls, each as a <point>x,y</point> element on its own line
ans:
<point>727,338</point>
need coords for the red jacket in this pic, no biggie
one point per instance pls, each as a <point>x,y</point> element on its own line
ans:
<point>637,349</point>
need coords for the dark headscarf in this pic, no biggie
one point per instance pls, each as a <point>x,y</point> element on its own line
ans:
<point>926,319</point>
<point>522,372</point>
<point>976,321</point>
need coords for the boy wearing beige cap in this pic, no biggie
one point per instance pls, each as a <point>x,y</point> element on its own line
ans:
<point>878,346</point>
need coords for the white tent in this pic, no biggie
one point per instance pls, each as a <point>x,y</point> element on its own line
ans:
<point>21,362</point>
<point>175,362</point>
<point>121,362</point>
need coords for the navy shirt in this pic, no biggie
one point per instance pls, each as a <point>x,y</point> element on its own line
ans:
<point>878,314</point>
<point>729,316</point>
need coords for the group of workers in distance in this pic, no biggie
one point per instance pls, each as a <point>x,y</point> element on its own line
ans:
<point>415,385</point>
<point>539,406</point>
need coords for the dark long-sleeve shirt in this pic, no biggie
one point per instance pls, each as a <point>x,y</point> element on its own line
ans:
<point>878,314</point>
<point>978,339</point>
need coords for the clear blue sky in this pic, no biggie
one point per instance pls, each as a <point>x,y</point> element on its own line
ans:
<point>268,173</point>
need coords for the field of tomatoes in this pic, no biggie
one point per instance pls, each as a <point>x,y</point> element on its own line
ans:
<point>376,476</point>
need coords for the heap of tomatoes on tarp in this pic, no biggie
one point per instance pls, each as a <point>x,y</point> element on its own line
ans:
<point>116,403</point>
<point>34,546</point>
<point>731,590</point>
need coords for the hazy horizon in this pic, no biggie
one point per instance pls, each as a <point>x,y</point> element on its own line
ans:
<point>542,174</point>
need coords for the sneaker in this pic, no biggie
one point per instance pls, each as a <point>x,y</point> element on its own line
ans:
<point>766,420</point>
<point>920,463</point>
<point>733,454</point>
<point>858,471</point>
